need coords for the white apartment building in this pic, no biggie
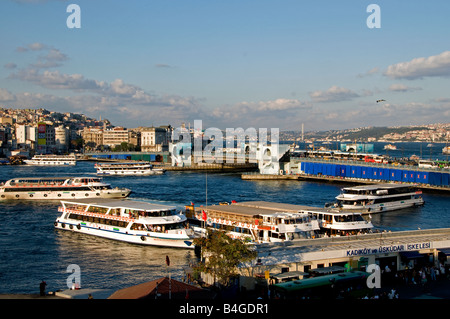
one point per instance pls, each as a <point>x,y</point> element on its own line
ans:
<point>62,139</point>
<point>154,139</point>
<point>116,136</point>
<point>26,136</point>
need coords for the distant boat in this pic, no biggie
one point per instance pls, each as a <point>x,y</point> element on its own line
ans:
<point>52,160</point>
<point>128,169</point>
<point>446,150</point>
<point>390,147</point>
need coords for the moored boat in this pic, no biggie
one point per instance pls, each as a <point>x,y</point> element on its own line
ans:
<point>50,188</point>
<point>126,220</point>
<point>254,221</point>
<point>332,222</point>
<point>342,223</point>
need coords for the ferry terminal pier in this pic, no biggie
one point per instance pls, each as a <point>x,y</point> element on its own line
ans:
<point>399,251</point>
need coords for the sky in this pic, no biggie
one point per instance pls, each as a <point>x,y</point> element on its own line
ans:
<point>230,63</point>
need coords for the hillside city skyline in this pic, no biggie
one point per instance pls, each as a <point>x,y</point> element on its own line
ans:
<point>19,130</point>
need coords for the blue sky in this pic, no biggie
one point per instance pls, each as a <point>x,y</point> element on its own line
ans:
<point>244,63</point>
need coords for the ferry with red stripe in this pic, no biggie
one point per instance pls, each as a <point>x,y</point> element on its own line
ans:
<point>126,220</point>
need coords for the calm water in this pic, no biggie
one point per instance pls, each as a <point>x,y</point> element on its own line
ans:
<point>31,249</point>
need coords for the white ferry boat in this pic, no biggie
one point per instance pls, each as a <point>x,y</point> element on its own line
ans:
<point>332,222</point>
<point>59,188</point>
<point>255,222</point>
<point>52,160</point>
<point>125,220</point>
<point>128,169</point>
<point>340,223</point>
<point>379,197</point>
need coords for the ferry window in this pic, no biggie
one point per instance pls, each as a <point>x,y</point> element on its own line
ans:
<point>137,226</point>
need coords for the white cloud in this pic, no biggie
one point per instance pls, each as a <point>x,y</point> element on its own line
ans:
<point>436,65</point>
<point>333,94</point>
<point>57,80</point>
<point>6,96</point>
<point>398,87</point>
<point>119,87</point>
<point>370,72</point>
<point>36,46</point>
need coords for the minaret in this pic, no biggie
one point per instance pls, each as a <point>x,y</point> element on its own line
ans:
<point>302,132</point>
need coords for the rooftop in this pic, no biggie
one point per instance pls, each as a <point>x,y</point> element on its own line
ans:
<point>125,203</point>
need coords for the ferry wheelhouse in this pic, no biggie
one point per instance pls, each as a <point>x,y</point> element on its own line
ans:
<point>379,197</point>
<point>125,220</point>
<point>52,160</point>
<point>254,221</point>
<point>128,169</point>
<point>59,188</point>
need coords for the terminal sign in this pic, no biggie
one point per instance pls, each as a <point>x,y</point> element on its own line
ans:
<point>387,249</point>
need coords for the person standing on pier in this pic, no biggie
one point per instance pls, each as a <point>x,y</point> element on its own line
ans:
<point>42,286</point>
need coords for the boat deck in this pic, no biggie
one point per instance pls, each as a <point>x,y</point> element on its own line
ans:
<point>114,203</point>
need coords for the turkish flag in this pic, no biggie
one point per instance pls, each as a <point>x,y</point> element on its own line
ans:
<point>204,216</point>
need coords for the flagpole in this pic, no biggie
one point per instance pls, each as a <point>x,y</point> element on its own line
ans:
<point>170,282</point>
<point>206,182</point>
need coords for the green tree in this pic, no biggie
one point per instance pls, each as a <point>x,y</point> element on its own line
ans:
<point>222,255</point>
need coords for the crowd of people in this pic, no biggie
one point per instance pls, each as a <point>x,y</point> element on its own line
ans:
<point>394,282</point>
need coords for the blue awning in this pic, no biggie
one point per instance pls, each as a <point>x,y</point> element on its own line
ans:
<point>411,254</point>
<point>445,251</point>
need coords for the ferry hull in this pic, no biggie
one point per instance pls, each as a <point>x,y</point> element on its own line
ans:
<point>148,239</point>
<point>59,195</point>
<point>138,173</point>
<point>376,208</point>
<point>36,163</point>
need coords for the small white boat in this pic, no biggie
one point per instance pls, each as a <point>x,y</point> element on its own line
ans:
<point>446,150</point>
<point>379,197</point>
<point>34,188</point>
<point>390,147</point>
<point>128,169</point>
<point>52,160</point>
<point>128,221</point>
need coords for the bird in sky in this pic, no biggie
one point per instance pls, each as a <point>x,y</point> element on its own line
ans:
<point>378,101</point>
